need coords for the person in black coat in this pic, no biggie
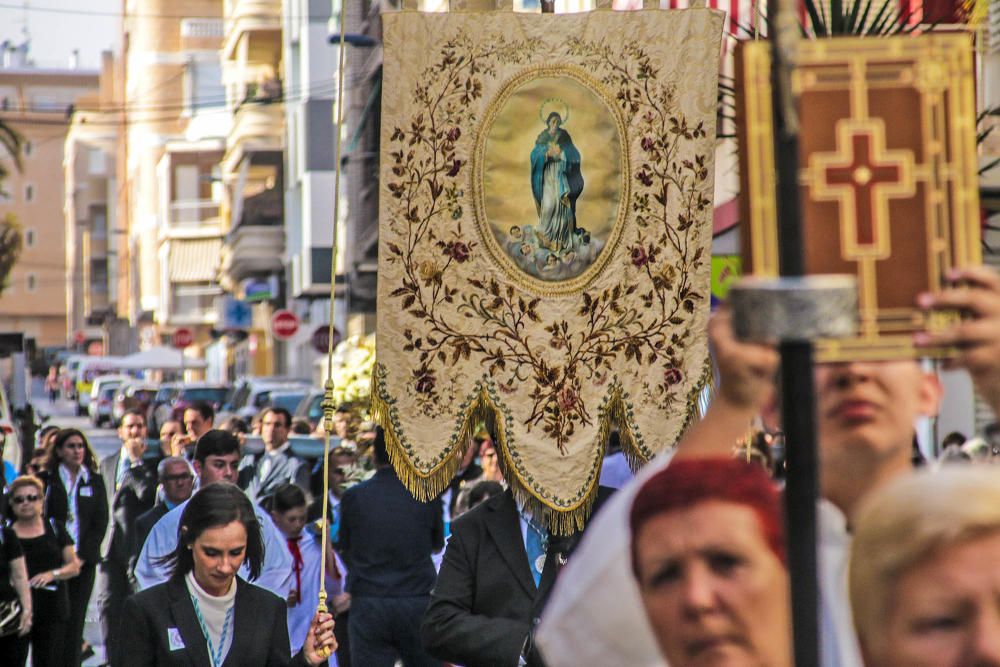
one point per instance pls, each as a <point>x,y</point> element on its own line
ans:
<point>204,607</point>
<point>75,495</point>
<point>486,601</point>
<point>131,491</point>
<point>177,478</point>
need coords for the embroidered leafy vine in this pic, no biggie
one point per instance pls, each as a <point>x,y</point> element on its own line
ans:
<point>645,319</point>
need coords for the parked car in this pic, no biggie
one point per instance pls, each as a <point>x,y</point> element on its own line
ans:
<point>132,395</point>
<point>90,369</point>
<point>159,408</point>
<point>100,407</point>
<point>287,399</point>
<point>190,393</point>
<point>251,395</point>
<point>99,388</point>
<point>310,407</point>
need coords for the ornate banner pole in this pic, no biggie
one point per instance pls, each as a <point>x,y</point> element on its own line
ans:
<point>798,395</point>
<point>329,405</point>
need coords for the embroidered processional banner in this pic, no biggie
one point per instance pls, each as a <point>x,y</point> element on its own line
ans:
<point>546,215</point>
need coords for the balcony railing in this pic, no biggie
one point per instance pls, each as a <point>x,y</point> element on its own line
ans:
<point>193,213</point>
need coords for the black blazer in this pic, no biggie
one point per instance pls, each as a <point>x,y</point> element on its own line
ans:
<point>485,600</point>
<point>91,505</point>
<point>144,524</point>
<point>259,619</point>
<point>135,496</point>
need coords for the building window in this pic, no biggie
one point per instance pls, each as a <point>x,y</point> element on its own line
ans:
<point>29,192</point>
<point>98,223</point>
<point>203,86</point>
<point>29,238</point>
<point>31,282</point>
<point>96,165</point>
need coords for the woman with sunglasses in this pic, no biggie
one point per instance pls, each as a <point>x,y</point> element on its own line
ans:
<point>76,496</point>
<point>51,560</point>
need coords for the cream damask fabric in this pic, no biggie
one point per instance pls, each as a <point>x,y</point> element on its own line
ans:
<point>546,214</point>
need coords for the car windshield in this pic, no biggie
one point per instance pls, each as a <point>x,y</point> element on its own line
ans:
<point>208,394</point>
<point>164,393</point>
<point>143,394</point>
<point>287,401</point>
<point>315,410</point>
<point>108,392</point>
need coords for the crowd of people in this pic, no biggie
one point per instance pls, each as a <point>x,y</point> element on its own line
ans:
<point>214,549</point>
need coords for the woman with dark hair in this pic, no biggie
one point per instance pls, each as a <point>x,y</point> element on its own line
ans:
<point>204,610</point>
<point>77,497</point>
<point>287,506</point>
<point>51,561</point>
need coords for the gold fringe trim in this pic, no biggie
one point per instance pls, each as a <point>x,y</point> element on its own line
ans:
<point>484,409</point>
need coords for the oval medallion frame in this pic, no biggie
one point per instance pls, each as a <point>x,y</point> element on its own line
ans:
<point>496,252</point>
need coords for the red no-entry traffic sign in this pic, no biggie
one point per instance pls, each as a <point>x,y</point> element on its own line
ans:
<point>284,324</point>
<point>183,337</point>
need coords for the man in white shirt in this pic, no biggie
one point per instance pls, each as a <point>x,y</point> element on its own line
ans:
<point>216,460</point>
<point>261,474</point>
<point>865,418</point>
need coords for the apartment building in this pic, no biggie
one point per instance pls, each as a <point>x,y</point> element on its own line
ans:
<point>95,243</point>
<point>175,127</point>
<point>310,73</point>
<point>252,171</point>
<point>38,102</point>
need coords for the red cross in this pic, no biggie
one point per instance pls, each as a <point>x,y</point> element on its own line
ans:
<point>863,175</point>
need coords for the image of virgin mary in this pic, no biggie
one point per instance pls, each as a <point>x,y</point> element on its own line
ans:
<point>556,183</point>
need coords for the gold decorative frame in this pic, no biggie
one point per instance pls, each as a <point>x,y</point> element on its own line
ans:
<point>497,254</point>
<point>939,69</point>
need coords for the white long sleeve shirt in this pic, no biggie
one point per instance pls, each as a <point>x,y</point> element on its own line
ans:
<point>274,576</point>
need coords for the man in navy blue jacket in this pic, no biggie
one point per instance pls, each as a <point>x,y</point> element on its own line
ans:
<point>386,539</point>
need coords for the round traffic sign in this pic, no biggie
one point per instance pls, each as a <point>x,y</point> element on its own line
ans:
<point>321,338</point>
<point>284,324</point>
<point>183,337</point>
<point>78,337</point>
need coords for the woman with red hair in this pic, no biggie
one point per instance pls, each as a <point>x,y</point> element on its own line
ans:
<point>709,557</point>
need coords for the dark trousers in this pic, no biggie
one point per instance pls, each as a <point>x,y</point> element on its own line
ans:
<point>14,650</point>
<point>79,587</point>
<point>116,590</point>
<point>48,639</point>
<point>341,633</point>
<point>383,630</point>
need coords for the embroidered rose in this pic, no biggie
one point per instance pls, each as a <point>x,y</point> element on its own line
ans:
<point>639,257</point>
<point>424,381</point>
<point>429,270</point>
<point>454,133</point>
<point>647,144</point>
<point>457,250</point>
<point>672,375</point>
<point>456,166</point>
<point>567,399</point>
<point>645,178</point>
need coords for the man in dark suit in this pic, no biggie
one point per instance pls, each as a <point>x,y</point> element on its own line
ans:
<point>177,478</point>
<point>131,490</point>
<point>262,474</point>
<point>386,539</point>
<point>497,573</point>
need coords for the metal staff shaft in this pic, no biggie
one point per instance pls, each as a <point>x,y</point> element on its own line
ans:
<point>798,392</point>
<point>329,406</point>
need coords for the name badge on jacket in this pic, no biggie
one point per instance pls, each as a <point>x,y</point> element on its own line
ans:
<point>174,639</point>
<point>86,491</point>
